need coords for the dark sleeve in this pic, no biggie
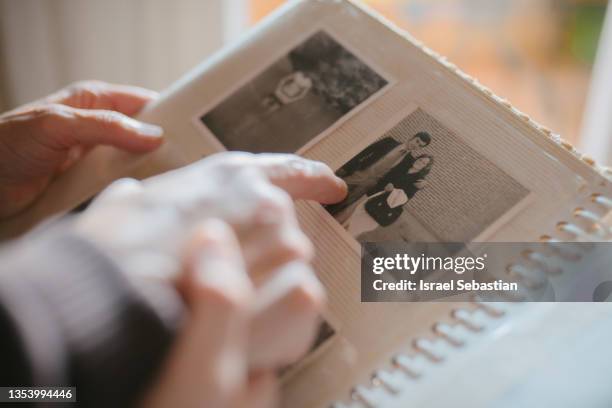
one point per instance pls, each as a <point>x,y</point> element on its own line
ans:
<point>69,316</point>
<point>366,157</point>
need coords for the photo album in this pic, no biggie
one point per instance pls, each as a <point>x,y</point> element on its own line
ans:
<point>429,155</point>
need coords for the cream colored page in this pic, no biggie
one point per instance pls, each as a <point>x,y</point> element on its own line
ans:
<point>368,334</point>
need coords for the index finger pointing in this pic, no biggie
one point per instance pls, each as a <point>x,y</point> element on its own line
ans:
<point>303,178</point>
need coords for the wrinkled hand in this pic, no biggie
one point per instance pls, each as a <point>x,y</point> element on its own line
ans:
<point>236,337</point>
<point>42,139</point>
<point>143,224</point>
<point>252,296</point>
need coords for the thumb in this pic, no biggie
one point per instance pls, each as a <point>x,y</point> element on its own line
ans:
<point>64,127</point>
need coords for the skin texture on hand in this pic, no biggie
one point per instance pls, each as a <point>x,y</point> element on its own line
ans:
<point>40,140</point>
<point>226,225</point>
<point>252,296</point>
<point>237,336</point>
<point>252,193</point>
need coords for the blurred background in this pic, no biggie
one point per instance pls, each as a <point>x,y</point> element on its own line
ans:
<point>538,54</point>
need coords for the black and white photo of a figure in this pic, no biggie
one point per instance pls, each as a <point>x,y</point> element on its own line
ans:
<point>421,183</point>
<point>295,99</point>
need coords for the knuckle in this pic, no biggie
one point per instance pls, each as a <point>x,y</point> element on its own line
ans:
<point>232,165</point>
<point>238,156</point>
<point>47,116</point>
<point>307,249</point>
<point>124,186</point>
<point>306,296</point>
<point>282,198</point>
<point>301,168</point>
<point>86,90</point>
<point>297,246</point>
<point>234,299</point>
<point>110,120</point>
<point>265,390</point>
<point>110,117</point>
<point>273,206</point>
<point>234,160</point>
<point>279,198</point>
<point>86,84</point>
<point>125,182</point>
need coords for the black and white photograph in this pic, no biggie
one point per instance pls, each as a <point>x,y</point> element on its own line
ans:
<point>419,182</point>
<point>295,99</point>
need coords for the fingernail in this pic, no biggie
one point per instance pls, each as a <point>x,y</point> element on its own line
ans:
<point>145,129</point>
<point>342,184</point>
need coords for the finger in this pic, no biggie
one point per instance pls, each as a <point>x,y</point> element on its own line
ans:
<point>208,364</point>
<point>214,261</point>
<point>126,99</point>
<point>285,321</point>
<point>265,249</point>
<point>75,153</point>
<point>121,190</point>
<point>271,236</point>
<point>262,392</point>
<point>64,127</point>
<point>303,178</point>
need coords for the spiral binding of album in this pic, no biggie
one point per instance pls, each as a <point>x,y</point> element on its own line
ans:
<point>587,223</point>
<point>426,354</point>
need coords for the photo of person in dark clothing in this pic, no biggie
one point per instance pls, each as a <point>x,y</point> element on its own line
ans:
<point>421,182</point>
<point>364,172</point>
<point>383,205</point>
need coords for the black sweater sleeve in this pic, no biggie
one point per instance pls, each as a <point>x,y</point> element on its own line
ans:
<point>69,316</point>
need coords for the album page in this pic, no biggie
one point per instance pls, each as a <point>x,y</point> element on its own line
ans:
<point>427,156</point>
<point>327,80</point>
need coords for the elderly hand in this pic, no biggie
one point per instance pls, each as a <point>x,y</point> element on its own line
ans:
<point>44,138</point>
<point>143,224</point>
<point>253,299</point>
